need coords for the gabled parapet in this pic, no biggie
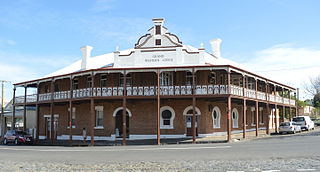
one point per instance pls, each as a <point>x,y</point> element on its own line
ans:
<point>160,48</point>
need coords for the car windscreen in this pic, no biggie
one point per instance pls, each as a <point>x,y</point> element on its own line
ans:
<point>298,119</point>
<point>21,133</point>
<point>285,124</point>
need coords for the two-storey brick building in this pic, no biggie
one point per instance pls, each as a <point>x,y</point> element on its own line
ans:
<point>163,85</point>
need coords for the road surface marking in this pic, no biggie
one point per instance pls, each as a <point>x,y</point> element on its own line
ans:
<point>310,169</point>
<point>113,150</point>
<point>271,171</point>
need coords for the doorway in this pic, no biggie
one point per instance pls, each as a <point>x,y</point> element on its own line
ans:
<point>47,119</point>
<point>118,126</point>
<point>189,125</point>
<point>188,113</point>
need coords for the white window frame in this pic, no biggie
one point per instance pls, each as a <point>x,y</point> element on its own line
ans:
<point>97,110</point>
<point>189,78</point>
<point>166,78</point>
<point>235,121</point>
<point>216,122</point>
<point>171,126</point>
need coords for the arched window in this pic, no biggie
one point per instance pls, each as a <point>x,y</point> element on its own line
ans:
<point>216,116</point>
<point>166,117</point>
<point>235,118</point>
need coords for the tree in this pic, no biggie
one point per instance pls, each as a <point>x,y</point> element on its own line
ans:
<point>316,100</point>
<point>314,89</point>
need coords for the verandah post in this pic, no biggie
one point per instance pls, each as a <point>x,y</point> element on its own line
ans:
<point>158,107</point>
<point>124,111</point>
<point>92,112</point>
<point>229,110</point>
<point>193,107</point>
<point>25,109</point>
<point>70,111</point>
<point>13,126</point>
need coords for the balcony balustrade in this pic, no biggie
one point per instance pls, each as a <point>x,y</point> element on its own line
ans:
<point>152,91</point>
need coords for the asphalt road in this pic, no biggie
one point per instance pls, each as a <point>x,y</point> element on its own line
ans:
<point>299,152</point>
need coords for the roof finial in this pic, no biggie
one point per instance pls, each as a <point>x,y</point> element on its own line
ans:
<point>158,21</point>
<point>201,45</point>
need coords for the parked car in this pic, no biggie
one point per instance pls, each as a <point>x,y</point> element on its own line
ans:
<point>289,127</point>
<point>17,137</point>
<point>305,122</point>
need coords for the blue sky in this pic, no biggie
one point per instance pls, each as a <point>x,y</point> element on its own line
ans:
<point>276,38</point>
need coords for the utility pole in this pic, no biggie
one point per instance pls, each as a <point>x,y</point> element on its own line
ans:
<point>2,121</point>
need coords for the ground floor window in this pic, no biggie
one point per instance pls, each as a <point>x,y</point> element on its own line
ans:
<point>253,123</point>
<point>261,115</point>
<point>235,118</point>
<point>99,116</point>
<point>166,117</point>
<point>216,116</point>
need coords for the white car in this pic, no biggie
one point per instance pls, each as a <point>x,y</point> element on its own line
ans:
<point>305,122</point>
<point>289,127</point>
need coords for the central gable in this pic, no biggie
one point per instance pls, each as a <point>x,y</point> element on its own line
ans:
<point>159,48</point>
<point>157,37</point>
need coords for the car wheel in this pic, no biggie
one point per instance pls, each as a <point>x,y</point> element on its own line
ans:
<point>5,141</point>
<point>16,142</point>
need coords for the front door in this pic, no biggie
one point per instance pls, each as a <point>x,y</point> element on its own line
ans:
<point>48,127</point>
<point>189,125</point>
<point>119,129</point>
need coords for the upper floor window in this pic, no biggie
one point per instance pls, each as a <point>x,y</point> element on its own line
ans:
<point>103,80</point>
<point>251,84</point>
<point>166,78</point>
<point>235,80</point>
<point>158,30</point>
<point>158,41</point>
<point>89,82</point>
<point>75,84</point>
<point>56,87</point>
<point>212,78</point>
<point>46,89</point>
<point>128,80</point>
<point>188,78</point>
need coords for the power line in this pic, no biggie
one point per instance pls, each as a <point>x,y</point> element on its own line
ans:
<point>297,68</point>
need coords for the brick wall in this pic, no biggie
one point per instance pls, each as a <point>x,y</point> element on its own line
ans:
<point>144,116</point>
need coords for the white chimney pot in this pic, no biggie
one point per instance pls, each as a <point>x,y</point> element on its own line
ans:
<point>215,45</point>
<point>86,54</point>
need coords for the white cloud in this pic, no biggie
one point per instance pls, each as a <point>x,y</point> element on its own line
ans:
<point>288,64</point>
<point>102,5</point>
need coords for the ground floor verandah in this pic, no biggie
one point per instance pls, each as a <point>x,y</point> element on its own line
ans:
<point>105,120</point>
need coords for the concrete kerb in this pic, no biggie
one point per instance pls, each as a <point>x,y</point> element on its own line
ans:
<point>204,140</point>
